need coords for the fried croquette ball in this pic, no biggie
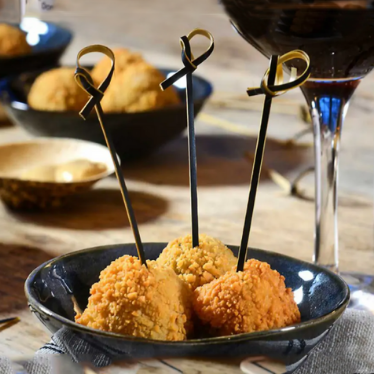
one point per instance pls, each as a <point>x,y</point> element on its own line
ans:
<point>123,59</point>
<point>200,265</point>
<point>137,89</point>
<point>133,300</point>
<point>56,90</point>
<point>241,302</point>
<point>12,41</point>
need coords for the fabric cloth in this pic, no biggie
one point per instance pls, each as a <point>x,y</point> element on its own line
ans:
<point>348,349</point>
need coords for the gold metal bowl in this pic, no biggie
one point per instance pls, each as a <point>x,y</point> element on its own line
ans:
<point>16,158</point>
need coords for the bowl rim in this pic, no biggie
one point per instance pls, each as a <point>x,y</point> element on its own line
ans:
<point>23,106</point>
<point>69,34</point>
<point>212,340</point>
<point>43,140</point>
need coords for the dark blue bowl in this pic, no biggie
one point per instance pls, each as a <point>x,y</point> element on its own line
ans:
<point>49,43</point>
<point>321,296</point>
<point>134,135</point>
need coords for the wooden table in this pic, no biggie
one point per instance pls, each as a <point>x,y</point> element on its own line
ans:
<point>159,184</point>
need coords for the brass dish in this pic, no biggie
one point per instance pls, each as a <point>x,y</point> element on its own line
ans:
<point>16,158</point>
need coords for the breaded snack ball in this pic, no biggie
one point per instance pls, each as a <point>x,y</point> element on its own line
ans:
<point>200,265</point>
<point>124,58</point>
<point>56,90</point>
<point>133,300</point>
<point>137,89</point>
<point>241,302</point>
<point>12,41</point>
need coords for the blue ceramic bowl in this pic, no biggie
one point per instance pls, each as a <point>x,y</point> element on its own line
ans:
<point>134,135</point>
<point>48,41</point>
<point>321,296</point>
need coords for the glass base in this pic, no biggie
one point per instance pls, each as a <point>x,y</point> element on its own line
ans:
<point>362,291</point>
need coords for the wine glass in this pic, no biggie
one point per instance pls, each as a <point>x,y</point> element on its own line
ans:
<point>338,36</point>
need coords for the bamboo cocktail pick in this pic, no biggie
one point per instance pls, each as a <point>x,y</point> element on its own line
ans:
<point>8,322</point>
<point>268,87</point>
<point>190,64</point>
<point>84,80</point>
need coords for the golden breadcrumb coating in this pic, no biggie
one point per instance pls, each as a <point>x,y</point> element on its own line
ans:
<point>198,265</point>
<point>12,41</point>
<point>123,59</point>
<point>133,300</point>
<point>137,89</point>
<point>253,300</point>
<point>56,90</point>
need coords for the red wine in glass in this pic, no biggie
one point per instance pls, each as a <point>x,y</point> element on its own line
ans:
<point>338,36</point>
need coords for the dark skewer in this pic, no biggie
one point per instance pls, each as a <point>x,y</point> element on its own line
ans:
<point>190,65</point>
<point>256,170</point>
<point>84,80</point>
<point>123,188</point>
<point>6,320</point>
<point>270,90</point>
<point>192,160</point>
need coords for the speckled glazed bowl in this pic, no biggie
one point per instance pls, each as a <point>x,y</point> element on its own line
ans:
<point>135,135</point>
<point>15,158</point>
<point>321,296</point>
<point>48,42</point>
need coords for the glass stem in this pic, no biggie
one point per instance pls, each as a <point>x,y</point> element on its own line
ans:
<point>328,102</point>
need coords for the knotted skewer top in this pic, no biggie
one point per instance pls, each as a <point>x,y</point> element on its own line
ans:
<point>268,87</point>
<point>83,78</point>
<point>85,81</point>
<point>189,61</point>
<point>282,88</point>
